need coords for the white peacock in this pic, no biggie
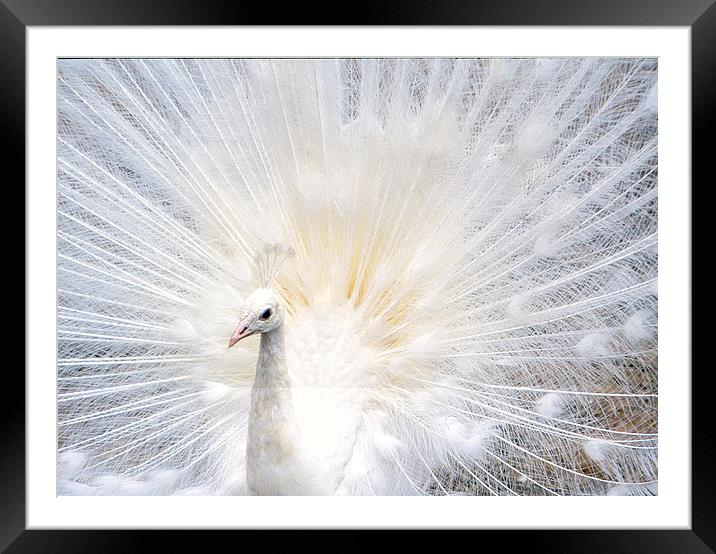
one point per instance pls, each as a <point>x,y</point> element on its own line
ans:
<point>469,307</point>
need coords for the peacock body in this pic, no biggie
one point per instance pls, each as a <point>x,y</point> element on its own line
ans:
<point>458,259</point>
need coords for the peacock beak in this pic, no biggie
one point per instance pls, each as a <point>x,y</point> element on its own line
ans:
<point>242,330</point>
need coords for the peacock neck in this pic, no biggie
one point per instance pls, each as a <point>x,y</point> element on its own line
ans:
<point>271,369</point>
<point>272,432</point>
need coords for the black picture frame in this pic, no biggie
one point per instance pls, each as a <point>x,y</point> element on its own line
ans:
<point>16,15</point>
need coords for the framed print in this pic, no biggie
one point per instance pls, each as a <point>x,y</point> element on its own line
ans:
<point>342,268</point>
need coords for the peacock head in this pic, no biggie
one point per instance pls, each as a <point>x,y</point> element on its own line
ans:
<point>263,312</point>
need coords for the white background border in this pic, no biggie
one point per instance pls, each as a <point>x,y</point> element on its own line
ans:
<point>670,509</point>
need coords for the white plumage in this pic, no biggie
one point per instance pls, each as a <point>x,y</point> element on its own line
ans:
<point>471,303</point>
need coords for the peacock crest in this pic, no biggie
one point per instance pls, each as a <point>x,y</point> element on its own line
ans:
<point>267,262</point>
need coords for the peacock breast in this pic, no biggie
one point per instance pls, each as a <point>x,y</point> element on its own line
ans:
<point>332,374</point>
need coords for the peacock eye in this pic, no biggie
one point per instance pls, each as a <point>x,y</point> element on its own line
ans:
<point>265,315</point>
